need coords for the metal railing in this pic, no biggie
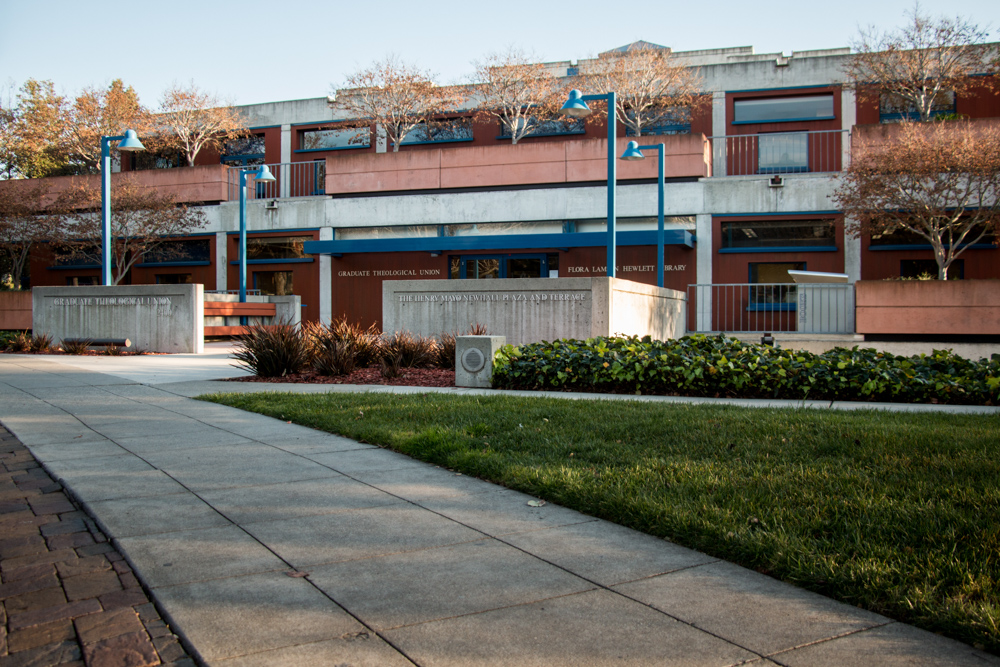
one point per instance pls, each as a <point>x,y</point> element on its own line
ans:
<point>779,153</point>
<point>292,179</point>
<point>821,308</point>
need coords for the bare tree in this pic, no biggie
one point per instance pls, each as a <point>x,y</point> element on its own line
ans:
<point>396,97</point>
<point>143,221</point>
<point>29,216</point>
<point>918,65</point>
<point>104,112</point>
<point>192,119</point>
<point>650,86</point>
<point>520,93</point>
<point>940,181</point>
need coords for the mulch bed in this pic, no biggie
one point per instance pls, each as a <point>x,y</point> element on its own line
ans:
<point>412,377</point>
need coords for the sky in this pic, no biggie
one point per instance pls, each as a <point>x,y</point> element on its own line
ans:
<point>255,51</point>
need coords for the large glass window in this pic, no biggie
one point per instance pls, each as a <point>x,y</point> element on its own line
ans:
<point>277,247</point>
<point>548,128</point>
<point>669,121</point>
<point>244,152</point>
<point>490,267</point>
<point>174,279</point>
<point>198,250</point>
<point>273,283</point>
<point>344,137</point>
<point>779,291</point>
<point>778,234</point>
<point>459,129</point>
<point>783,109</point>
<point>782,153</point>
<point>927,269</point>
<point>893,109</point>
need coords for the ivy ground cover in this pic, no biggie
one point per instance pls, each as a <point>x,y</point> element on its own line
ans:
<point>895,512</point>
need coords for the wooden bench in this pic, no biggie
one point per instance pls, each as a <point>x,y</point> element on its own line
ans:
<point>234,309</point>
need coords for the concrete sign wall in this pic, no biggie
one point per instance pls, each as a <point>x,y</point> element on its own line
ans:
<point>527,310</point>
<point>156,318</point>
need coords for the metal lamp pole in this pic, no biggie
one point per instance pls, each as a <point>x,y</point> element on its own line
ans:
<point>129,142</point>
<point>261,174</point>
<point>634,152</point>
<point>576,107</point>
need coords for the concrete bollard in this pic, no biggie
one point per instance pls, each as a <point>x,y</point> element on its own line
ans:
<point>474,359</point>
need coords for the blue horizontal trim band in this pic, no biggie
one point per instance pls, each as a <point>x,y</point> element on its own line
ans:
<point>771,215</point>
<point>927,246</point>
<point>766,90</point>
<point>808,248</point>
<point>294,260</point>
<point>498,242</point>
<point>333,148</point>
<point>780,307</point>
<point>434,141</point>
<point>153,265</point>
<point>781,120</point>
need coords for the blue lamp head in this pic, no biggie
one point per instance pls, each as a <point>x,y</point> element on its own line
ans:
<point>575,107</point>
<point>130,142</point>
<point>632,152</point>
<point>264,175</point>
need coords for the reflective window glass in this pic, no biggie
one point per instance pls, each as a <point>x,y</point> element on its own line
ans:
<point>776,109</point>
<point>349,137</point>
<point>782,153</point>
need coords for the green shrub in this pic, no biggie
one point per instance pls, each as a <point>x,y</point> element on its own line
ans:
<point>272,350</point>
<point>717,366</point>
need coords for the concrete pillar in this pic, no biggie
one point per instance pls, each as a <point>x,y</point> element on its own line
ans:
<point>852,255</point>
<point>284,179</point>
<point>703,273</point>
<point>221,261</point>
<point>325,279</point>
<point>848,119</point>
<point>719,132</point>
<point>381,141</point>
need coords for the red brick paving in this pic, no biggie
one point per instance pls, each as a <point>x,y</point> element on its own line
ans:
<point>67,597</point>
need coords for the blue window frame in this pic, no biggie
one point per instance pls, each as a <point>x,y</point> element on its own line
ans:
<point>672,121</point>
<point>458,129</point>
<point>783,153</point>
<point>783,109</point>
<point>548,128</point>
<point>778,236</point>
<point>894,110</point>
<point>334,139</point>
<point>244,152</point>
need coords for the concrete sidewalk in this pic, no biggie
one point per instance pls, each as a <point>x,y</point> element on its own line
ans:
<point>267,543</point>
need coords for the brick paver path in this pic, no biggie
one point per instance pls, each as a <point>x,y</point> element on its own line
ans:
<point>67,597</point>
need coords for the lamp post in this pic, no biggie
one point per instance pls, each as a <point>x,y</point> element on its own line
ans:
<point>634,152</point>
<point>576,107</point>
<point>128,142</point>
<point>262,174</point>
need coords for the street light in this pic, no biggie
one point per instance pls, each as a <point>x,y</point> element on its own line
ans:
<point>576,107</point>
<point>263,175</point>
<point>129,142</point>
<point>634,152</point>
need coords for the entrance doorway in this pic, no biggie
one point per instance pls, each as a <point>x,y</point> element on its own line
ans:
<point>492,267</point>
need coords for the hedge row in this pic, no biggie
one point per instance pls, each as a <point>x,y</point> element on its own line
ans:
<point>719,366</point>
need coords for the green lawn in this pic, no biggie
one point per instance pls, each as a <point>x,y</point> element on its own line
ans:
<point>894,512</point>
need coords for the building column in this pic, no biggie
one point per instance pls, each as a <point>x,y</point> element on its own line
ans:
<point>325,279</point>
<point>703,272</point>
<point>852,255</point>
<point>849,118</point>
<point>381,140</point>
<point>221,261</point>
<point>286,158</point>
<point>719,132</point>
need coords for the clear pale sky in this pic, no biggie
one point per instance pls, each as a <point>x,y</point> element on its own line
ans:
<point>255,51</point>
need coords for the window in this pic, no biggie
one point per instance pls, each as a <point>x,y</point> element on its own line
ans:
<point>779,291</point>
<point>927,269</point>
<point>904,239</point>
<point>490,267</point>
<point>179,252</point>
<point>775,235</point>
<point>670,121</point>
<point>244,152</point>
<point>783,109</point>
<point>458,129</point>
<point>547,128</point>
<point>81,281</point>
<point>174,279</point>
<point>893,109</point>
<point>167,159</point>
<point>277,248</point>
<point>344,137</point>
<point>783,153</point>
<point>273,283</point>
